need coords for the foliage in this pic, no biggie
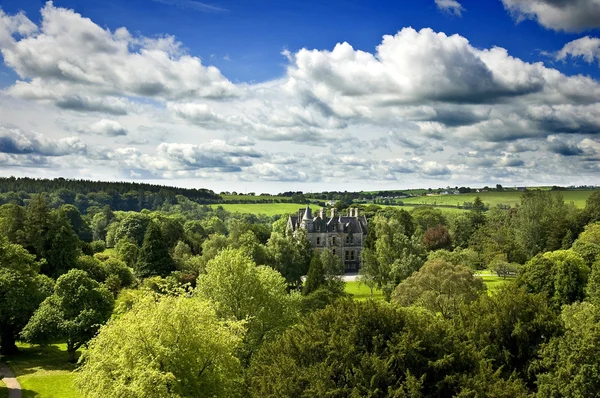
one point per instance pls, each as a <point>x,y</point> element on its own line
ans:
<point>21,292</point>
<point>561,275</point>
<point>368,349</point>
<point>172,346</point>
<point>436,238</point>
<point>587,244</point>
<point>242,291</point>
<point>509,327</point>
<point>154,258</point>
<point>290,255</point>
<point>74,312</point>
<point>570,361</point>
<point>440,287</point>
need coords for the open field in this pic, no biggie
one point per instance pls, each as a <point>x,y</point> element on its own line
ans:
<point>269,209</point>
<point>492,199</point>
<point>444,210</point>
<point>361,291</point>
<point>43,372</point>
<point>493,282</point>
<point>248,198</point>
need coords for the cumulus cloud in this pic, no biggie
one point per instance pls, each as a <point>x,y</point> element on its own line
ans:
<point>586,47</point>
<point>450,6</point>
<point>109,128</point>
<point>16,142</point>
<point>71,54</point>
<point>566,15</point>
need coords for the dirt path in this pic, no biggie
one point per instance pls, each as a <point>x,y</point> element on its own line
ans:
<point>14,388</point>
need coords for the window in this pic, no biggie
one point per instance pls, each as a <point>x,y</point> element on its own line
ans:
<point>333,251</point>
<point>352,255</point>
<point>333,241</point>
<point>318,241</point>
<point>347,255</point>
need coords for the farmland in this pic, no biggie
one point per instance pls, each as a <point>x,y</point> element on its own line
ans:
<point>269,209</point>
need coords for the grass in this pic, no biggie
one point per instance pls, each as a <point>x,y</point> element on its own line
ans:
<point>269,209</point>
<point>493,282</point>
<point>362,292</point>
<point>492,199</point>
<point>248,198</point>
<point>44,372</point>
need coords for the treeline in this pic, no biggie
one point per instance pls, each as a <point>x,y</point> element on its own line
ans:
<point>197,301</point>
<point>126,196</point>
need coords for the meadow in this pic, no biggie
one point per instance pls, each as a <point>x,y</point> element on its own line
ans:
<point>269,209</point>
<point>492,199</point>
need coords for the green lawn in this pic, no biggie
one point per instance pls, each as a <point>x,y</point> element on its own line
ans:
<point>248,198</point>
<point>493,282</point>
<point>444,210</point>
<point>361,291</point>
<point>492,199</point>
<point>43,372</point>
<point>269,209</point>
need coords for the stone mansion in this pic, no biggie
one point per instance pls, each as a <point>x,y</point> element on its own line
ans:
<point>343,235</point>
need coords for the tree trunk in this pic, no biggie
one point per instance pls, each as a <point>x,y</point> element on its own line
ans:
<point>71,351</point>
<point>8,344</point>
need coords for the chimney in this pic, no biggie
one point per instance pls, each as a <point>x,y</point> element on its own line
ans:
<point>356,212</point>
<point>322,213</point>
<point>333,212</point>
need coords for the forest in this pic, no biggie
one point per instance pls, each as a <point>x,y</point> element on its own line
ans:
<point>181,299</point>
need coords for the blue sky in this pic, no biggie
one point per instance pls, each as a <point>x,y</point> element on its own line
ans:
<point>457,99</point>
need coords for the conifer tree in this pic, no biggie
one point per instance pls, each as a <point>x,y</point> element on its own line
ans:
<point>315,277</point>
<point>154,258</point>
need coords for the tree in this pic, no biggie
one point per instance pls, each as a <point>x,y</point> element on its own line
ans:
<point>22,290</point>
<point>510,326</point>
<point>315,278</point>
<point>570,362</point>
<point>587,244</point>
<point>427,217</point>
<point>436,238</point>
<point>290,255</point>
<point>36,224</point>
<point>561,275</point>
<point>61,247</point>
<point>74,312</point>
<point>12,217</point>
<point>78,224</point>
<point>333,270</point>
<point>163,347</point>
<point>355,349</point>
<point>133,227</point>
<point>503,268</point>
<point>439,286</point>
<point>244,292</point>
<point>394,257</point>
<point>154,258</point>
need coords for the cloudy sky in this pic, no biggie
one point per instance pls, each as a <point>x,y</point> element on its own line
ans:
<point>271,96</point>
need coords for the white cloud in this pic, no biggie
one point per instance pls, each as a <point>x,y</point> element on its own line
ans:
<point>586,47</point>
<point>450,6</point>
<point>71,54</point>
<point>109,128</point>
<point>566,15</point>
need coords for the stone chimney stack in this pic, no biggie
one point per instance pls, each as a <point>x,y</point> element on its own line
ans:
<point>322,213</point>
<point>356,212</point>
<point>333,212</point>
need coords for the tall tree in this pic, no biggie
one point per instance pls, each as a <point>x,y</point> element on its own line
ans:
<point>74,312</point>
<point>62,246</point>
<point>22,290</point>
<point>36,224</point>
<point>243,291</point>
<point>439,286</point>
<point>154,258</point>
<point>164,347</point>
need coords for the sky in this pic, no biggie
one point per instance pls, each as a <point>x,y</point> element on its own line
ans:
<point>271,96</point>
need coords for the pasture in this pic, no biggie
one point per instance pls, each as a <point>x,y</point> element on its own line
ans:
<point>269,209</point>
<point>43,372</point>
<point>252,199</point>
<point>492,199</point>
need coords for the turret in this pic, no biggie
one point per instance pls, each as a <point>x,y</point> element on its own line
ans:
<point>307,221</point>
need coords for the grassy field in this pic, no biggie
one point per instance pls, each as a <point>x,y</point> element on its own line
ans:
<point>362,292</point>
<point>248,198</point>
<point>269,209</point>
<point>43,372</point>
<point>493,282</point>
<point>492,199</point>
<point>444,210</point>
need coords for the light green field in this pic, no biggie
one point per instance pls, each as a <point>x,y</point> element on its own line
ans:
<point>444,210</point>
<point>493,282</point>
<point>492,199</point>
<point>269,209</point>
<point>362,292</point>
<point>247,198</point>
<point>44,372</point>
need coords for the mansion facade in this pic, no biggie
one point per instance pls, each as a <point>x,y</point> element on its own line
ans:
<point>343,235</point>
